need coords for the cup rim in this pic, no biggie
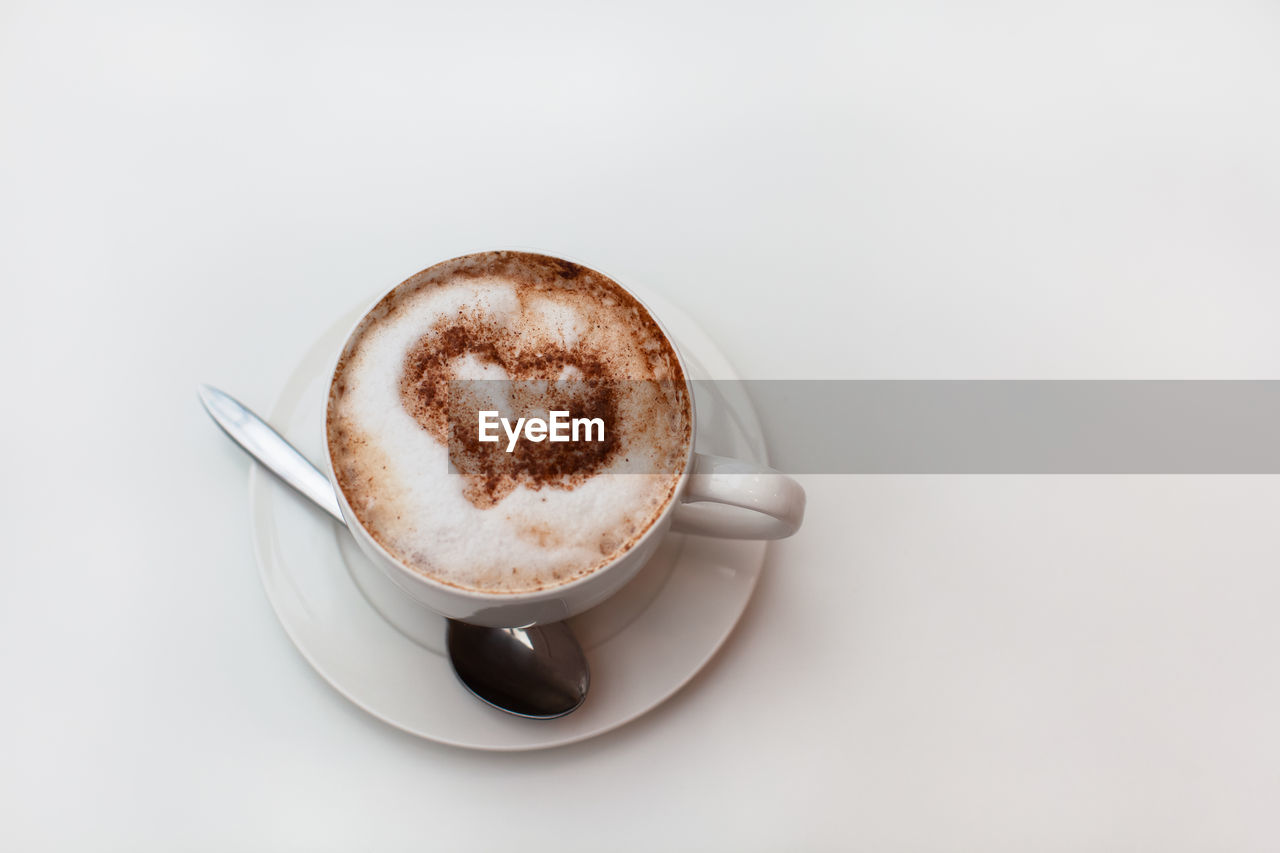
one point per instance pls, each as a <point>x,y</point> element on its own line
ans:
<point>354,522</point>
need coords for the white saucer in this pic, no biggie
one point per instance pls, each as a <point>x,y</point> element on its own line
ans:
<point>642,645</point>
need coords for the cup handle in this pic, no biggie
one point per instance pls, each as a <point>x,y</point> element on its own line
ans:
<point>733,499</point>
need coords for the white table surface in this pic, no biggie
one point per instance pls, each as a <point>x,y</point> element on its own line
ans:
<point>189,192</point>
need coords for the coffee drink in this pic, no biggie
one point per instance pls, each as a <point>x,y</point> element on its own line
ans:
<point>508,422</point>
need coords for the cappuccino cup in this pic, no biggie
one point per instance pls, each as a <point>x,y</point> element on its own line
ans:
<point>511,436</point>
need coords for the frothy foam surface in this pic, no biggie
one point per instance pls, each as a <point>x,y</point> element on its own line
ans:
<point>504,522</point>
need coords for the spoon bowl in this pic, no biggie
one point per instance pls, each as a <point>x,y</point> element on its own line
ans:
<point>537,672</point>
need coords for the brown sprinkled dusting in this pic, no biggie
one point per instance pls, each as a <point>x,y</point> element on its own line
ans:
<point>449,408</point>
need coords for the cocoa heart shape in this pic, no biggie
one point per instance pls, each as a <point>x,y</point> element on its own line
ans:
<point>554,377</point>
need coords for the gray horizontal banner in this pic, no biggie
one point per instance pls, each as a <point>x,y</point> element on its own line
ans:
<point>1016,426</point>
<point>870,426</point>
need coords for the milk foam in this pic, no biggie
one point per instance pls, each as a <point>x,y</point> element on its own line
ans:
<point>395,473</point>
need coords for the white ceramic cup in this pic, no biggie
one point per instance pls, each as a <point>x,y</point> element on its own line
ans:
<point>715,496</point>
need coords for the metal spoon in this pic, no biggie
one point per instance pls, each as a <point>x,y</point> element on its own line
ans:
<point>538,671</point>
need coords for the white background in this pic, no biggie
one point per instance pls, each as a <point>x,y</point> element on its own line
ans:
<point>191,192</point>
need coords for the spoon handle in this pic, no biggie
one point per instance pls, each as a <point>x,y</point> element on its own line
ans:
<point>267,446</point>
